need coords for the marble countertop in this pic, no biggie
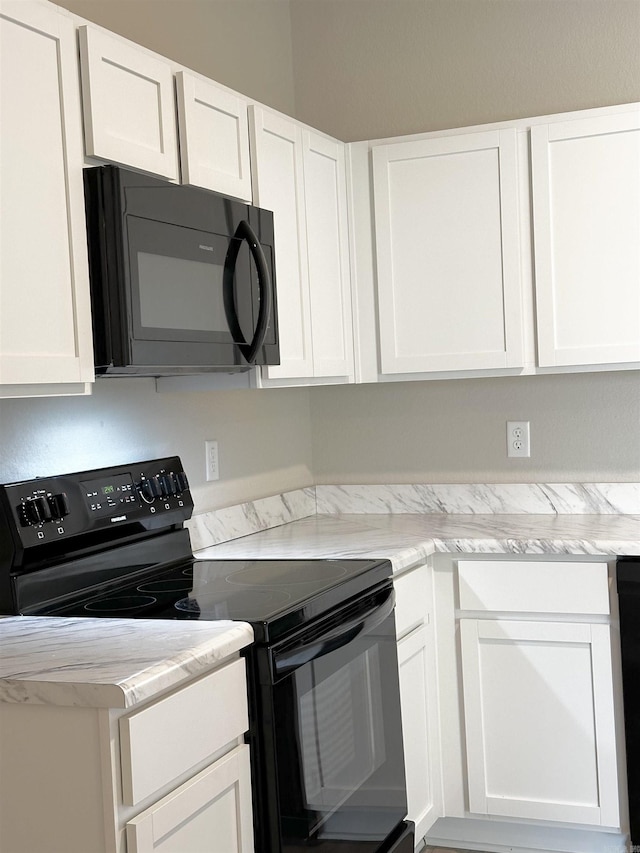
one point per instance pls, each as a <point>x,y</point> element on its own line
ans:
<point>407,539</point>
<point>118,663</point>
<point>108,663</point>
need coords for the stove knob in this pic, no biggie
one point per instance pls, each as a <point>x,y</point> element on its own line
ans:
<point>168,484</point>
<point>183,483</point>
<point>36,510</point>
<point>59,505</point>
<point>149,489</point>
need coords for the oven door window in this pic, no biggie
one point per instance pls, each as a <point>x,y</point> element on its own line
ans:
<point>179,290</point>
<point>339,746</point>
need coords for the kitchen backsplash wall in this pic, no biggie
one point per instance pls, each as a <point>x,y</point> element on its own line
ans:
<point>584,428</point>
<point>264,437</point>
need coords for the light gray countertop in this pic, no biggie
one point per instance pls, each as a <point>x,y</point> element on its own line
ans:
<point>406,539</point>
<point>118,663</point>
<point>108,663</point>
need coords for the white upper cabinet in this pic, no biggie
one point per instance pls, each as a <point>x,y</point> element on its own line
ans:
<point>214,137</point>
<point>586,210</point>
<point>447,242</point>
<point>300,176</point>
<point>45,322</point>
<point>329,278</point>
<point>278,185</point>
<point>129,104</point>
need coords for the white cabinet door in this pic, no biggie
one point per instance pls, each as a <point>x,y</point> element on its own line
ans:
<point>447,242</point>
<point>278,185</point>
<point>586,209</point>
<point>129,104</point>
<point>325,189</point>
<point>300,176</point>
<point>45,322</point>
<point>416,704</point>
<point>210,813</point>
<point>214,137</point>
<point>538,704</point>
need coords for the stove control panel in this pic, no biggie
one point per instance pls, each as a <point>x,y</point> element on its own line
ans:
<point>151,494</point>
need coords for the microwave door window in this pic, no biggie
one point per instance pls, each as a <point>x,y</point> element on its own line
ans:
<point>180,294</point>
<point>178,285</point>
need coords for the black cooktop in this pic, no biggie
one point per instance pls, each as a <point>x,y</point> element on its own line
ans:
<point>274,596</point>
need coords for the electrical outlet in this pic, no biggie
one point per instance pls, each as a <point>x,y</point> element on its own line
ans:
<point>518,441</point>
<point>211,455</point>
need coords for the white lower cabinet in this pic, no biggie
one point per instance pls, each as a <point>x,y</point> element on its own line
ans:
<point>538,712</point>
<point>210,813</point>
<point>418,696</point>
<point>170,776</point>
<point>531,729</point>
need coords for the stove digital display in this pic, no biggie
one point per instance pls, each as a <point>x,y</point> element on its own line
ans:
<point>103,497</point>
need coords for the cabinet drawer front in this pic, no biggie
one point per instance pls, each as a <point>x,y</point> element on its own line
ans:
<point>540,587</point>
<point>214,805</point>
<point>159,743</point>
<point>412,600</point>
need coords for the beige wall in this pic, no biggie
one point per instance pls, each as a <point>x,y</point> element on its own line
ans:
<point>244,44</point>
<point>366,69</point>
<point>583,428</point>
<point>264,437</point>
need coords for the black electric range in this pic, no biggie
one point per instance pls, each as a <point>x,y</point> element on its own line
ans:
<point>324,707</point>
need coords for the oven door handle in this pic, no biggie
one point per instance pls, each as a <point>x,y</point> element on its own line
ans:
<point>363,623</point>
<point>244,231</point>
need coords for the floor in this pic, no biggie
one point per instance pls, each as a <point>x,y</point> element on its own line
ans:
<point>442,850</point>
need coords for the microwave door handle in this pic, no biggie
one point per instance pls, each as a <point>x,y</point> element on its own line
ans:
<point>364,622</point>
<point>247,233</point>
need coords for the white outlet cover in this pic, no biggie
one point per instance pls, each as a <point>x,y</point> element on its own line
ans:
<point>212,468</point>
<point>518,439</point>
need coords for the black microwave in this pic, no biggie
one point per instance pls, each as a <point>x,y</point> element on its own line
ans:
<point>182,279</point>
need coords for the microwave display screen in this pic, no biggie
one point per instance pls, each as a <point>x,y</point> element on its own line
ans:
<point>180,293</point>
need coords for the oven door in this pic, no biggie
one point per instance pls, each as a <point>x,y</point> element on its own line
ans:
<point>338,737</point>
